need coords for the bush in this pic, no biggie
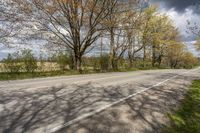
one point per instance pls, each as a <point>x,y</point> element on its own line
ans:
<point>104,62</point>
<point>29,61</point>
<point>63,60</point>
<point>140,64</point>
<point>12,63</point>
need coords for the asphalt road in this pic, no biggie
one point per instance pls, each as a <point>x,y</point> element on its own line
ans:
<point>102,79</point>
<point>67,103</point>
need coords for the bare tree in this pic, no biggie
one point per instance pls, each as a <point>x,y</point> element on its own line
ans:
<point>194,28</point>
<point>116,25</point>
<point>119,48</point>
<point>133,35</point>
<point>10,21</point>
<point>74,24</point>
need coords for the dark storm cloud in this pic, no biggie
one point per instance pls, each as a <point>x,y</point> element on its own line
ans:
<point>181,5</point>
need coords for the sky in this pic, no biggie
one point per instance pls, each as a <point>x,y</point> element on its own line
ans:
<point>179,11</point>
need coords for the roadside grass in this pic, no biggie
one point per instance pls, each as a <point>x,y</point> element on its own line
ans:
<point>28,75</point>
<point>41,74</point>
<point>187,118</point>
<point>51,69</point>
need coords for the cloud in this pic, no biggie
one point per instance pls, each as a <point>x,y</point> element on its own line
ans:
<point>180,21</point>
<point>180,11</point>
<point>192,48</point>
<point>180,5</point>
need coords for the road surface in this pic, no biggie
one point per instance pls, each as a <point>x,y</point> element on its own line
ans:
<point>109,103</point>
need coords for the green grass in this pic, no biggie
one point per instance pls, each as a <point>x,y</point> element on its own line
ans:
<point>28,75</point>
<point>187,118</point>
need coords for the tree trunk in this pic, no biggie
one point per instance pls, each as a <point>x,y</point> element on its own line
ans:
<point>144,52</point>
<point>131,60</point>
<point>112,48</point>
<point>159,60</point>
<point>115,65</point>
<point>130,63</point>
<point>131,55</point>
<point>79,64</point>
<point>153,56</point>
<point>171,64</point>
<point>175,64</point>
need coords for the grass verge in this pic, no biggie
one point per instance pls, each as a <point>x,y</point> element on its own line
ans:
<point>187,118</point>
<point>28,75</point>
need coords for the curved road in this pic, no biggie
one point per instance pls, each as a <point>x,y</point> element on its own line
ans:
<point>67,103</point>
<point>102,79</point>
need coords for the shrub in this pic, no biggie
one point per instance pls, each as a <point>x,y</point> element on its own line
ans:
<point>12,63</point>
<point>96,63</point>
<point>63,60</point>
<point>104,62</point>
<point>29,61</point>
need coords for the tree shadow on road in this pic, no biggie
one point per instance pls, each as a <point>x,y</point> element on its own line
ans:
<point>39,111</point>
<point>26,111</point>
<point>145,113</point>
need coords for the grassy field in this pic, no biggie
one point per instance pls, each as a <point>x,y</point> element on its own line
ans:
<point>187,118</point>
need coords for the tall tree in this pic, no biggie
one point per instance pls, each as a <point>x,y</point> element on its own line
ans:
<point>145,30</point>
<point>159,26</point>
<point>74,24</point>
<point>116,25</point>
<point>175,52</point>
<point>132,32</point>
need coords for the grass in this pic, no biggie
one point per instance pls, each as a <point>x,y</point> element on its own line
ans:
<point>27,75</point>
<point>187,118</point>
<point>39,74</point>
